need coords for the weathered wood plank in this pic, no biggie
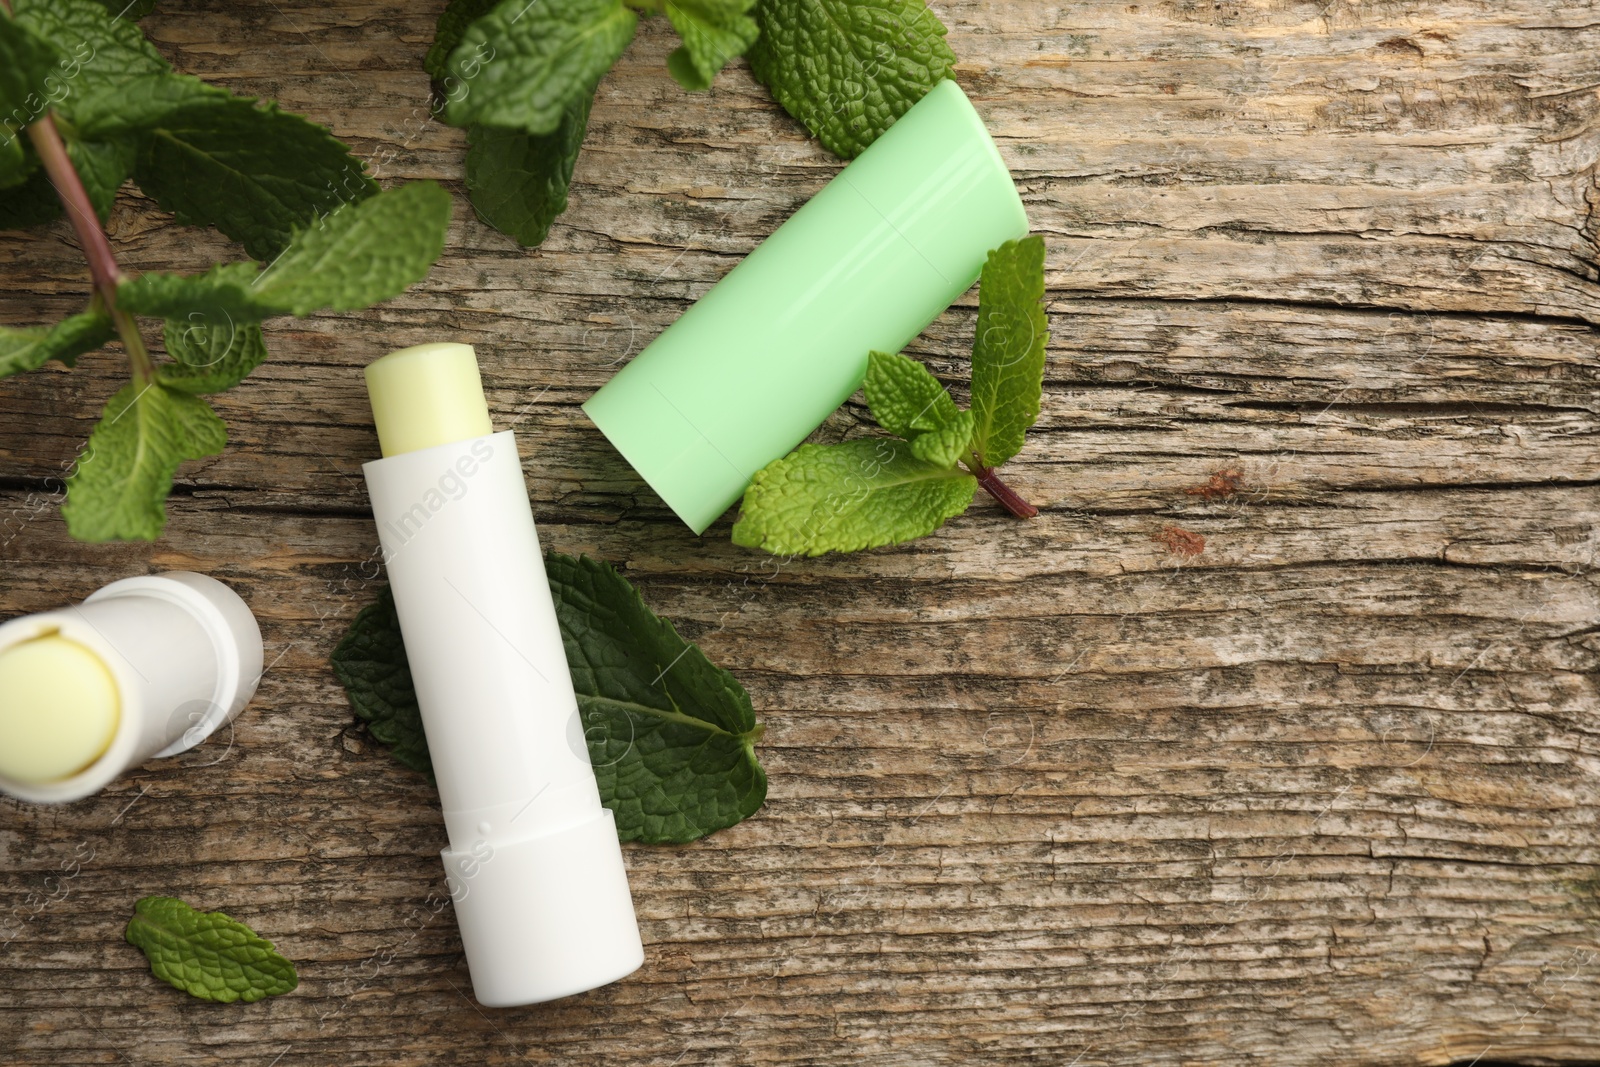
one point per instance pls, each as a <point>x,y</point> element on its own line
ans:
<point>1322,287</point>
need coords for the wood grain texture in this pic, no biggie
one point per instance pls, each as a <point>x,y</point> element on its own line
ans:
<point>1323,286</point>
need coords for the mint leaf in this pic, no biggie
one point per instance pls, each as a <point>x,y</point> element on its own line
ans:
<point>215,159</point>
<point>99,52</point>
<point>210,356</point>
<point>359,255</point>
<point>453,22</point>
<point>102,166</point>
<point>23,350</point>
<point>121,481</point>
<point>948,444</point>
<point>849,68</point>
<point>909,402</point>
<point>15,164</point>
<point>1008,354</point>
<point>370,663</point>
<point>206,954</point>
<point>518,181</point>
<point>713,32</point>
<point>542,56</point>
<point>843,498</point>
<point>905,397</point>
<point>34,201</point>
<point>670,734</point>
<point>224,293</point>
<point>26,60</point>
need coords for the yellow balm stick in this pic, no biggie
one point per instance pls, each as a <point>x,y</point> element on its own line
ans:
<point>426,396</point>
<point>58,709</point>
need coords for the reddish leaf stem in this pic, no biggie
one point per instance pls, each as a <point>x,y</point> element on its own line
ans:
<point>96,246</point>
<point>1002,492</point>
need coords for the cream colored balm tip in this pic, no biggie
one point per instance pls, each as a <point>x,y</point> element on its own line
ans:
<point>59,709</point>
<point>425,396</point>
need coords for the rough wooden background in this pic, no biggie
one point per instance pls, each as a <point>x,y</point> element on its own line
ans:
<point>1059,792</point>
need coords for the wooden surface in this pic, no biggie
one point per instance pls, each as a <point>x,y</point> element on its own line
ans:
<point>1274,739</point>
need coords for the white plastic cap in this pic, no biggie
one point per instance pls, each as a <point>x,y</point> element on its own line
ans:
<point>545,917</point>
<point>184,655</point>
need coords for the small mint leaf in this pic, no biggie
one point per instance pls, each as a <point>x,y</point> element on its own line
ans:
<point>121,482</point>
<point>842,498</point>
<point>848,69</point>
<point>210,357</point>
<point>713,32</point>
<point>949,443</point>
<point>1008,353</point>
<point>370,663</point>
<point>15,164</point>
<point>522,64</point>
<point>904,396</point>
<point>518,181</point>
<point>23,350</point>
<point>453,22</point>
<point>206,954</point>
<point>671,735</point>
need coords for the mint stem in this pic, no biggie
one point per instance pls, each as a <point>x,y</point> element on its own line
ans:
<point>1002,492</point>
<point>96,246</point>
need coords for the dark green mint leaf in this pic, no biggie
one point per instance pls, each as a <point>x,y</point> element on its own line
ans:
<point>211,356</point>
<point>713,32</point>
<point>15,164</point>
<point>453,22</point>
<point>118,491</point>
<point>522,64</point>
<point>370,663</point>
<point>518,181</point>
<point>30,78</point>
<point>22,350</point>
<point>32,203</point>
<point>848,69</point>
<point>99,51</point>
<point>215,159</point>
<point>102,166</point>
<point>1008,353</point>
<point>206,954</point>
<point>670,734</point>
<point>842,498</point>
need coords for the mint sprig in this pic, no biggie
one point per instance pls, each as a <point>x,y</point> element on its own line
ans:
<point>671,735</point>
<point>849,68</point>
<point>877,491</point>
<point>280,185</point>
<point>520,78</point>
<point>206,954</point>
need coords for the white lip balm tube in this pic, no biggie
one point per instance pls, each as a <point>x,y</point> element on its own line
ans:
<point>534,865</point>
<point>146,666</point>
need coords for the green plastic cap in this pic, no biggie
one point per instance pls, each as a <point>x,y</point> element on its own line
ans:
<point>777,345</point>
